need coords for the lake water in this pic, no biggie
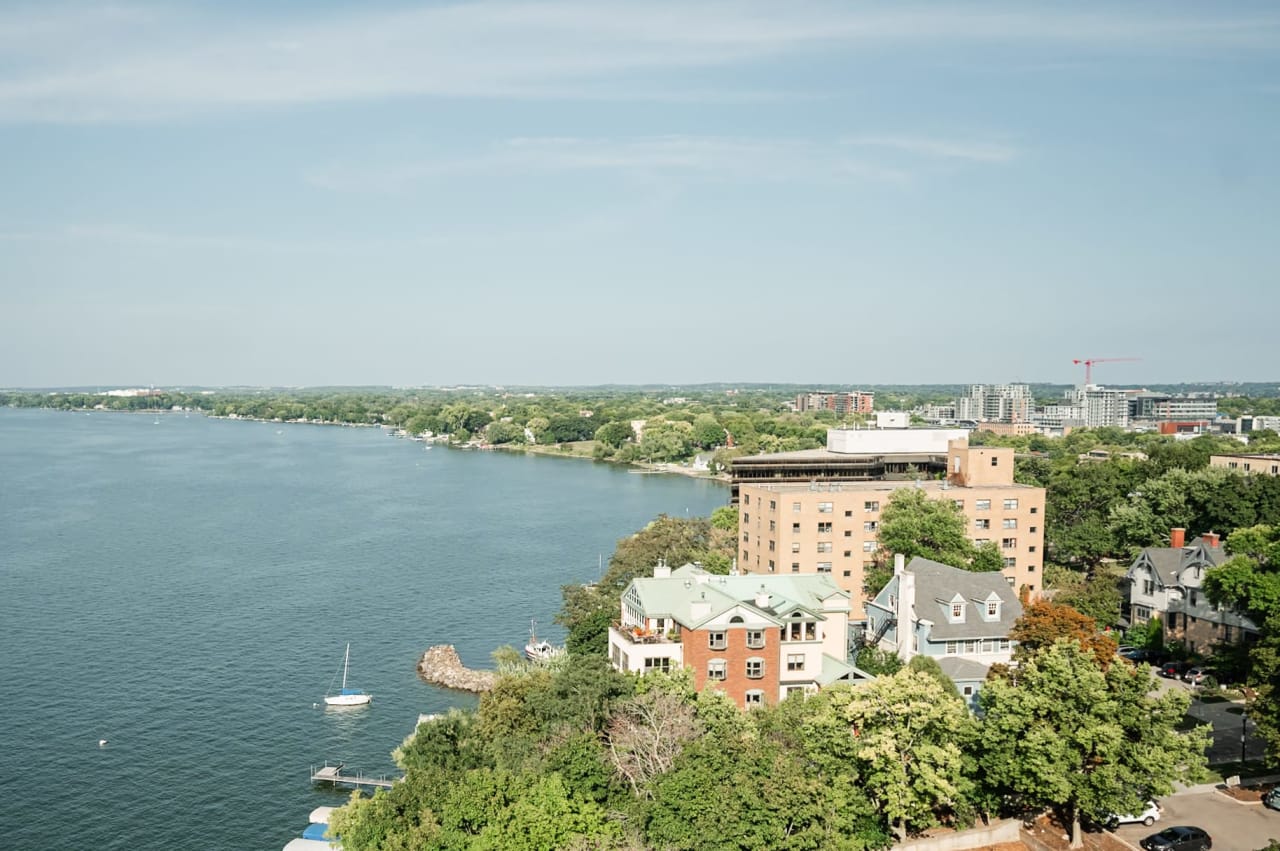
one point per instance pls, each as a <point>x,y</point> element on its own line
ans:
<point>184,588</point>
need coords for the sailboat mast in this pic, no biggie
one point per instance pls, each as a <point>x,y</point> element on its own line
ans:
<point>346,660</point>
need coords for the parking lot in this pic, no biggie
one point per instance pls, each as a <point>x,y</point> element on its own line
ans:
<point>1234,826</point>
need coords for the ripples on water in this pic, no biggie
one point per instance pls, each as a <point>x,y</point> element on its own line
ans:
<point>185,591</point>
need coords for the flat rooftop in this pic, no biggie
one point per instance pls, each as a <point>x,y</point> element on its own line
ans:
<point>928,485</point>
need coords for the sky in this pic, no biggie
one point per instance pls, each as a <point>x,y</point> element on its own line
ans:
<point>565,192</point>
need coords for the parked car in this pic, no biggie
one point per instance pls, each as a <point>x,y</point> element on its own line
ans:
<point>1148,816</point>
<point>1173,670</point>
<point>1180,838</point>
<point>1271,800</point>
<point>1195,676</point>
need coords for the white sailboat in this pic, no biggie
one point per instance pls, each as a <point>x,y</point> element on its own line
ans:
<point>347,696</point>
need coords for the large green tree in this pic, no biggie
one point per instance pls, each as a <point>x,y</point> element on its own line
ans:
<point>913,524</point>
<point>1060,732</point>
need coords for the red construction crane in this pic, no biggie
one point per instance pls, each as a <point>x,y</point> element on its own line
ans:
<point>1089,362</point>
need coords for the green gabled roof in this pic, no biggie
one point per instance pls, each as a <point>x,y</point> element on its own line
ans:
<point>832,670</point>
<point>675,596</point>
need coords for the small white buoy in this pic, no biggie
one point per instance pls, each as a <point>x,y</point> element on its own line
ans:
<point>102,743</point>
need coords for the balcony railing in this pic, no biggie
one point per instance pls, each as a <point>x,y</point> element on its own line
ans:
<point>640,635</point>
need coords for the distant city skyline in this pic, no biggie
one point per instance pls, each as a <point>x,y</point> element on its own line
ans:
<point>578,193</point>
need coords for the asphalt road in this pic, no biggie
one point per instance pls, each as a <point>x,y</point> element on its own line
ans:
<point>1232,825</point>
<point>1226,719</point>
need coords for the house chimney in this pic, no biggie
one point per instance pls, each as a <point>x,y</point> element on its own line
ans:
<point>661,571</point>
<point>1211,538</point>
<point>899,563</point>
<point>906,628</point>
<point>1177,537</point>
<point>762,598</point>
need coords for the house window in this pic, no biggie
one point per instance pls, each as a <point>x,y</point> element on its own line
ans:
<point>795,661</point>
<point>1148,587</point>
<point>717,640</point>
<point>982,523</point>
<point>795,506</point>
<point>971,646</point>
<point>824,567</point>
<point>825,507</point>
<point>1008,543</point>
<point>870,526</point>
<point>1010,523</point>
<point>717,669</point>
<point>754,697</point>
<point>982,505</point>
<point>795,690</point>
<point>1226,632</point>
<point>1004,644</point>
<point>800,631</point>
<point>824,546</point>
<point>873,505</point>
<point>1010,562</point>
<point>755,668</point>
<point>868,546</point>
<point>659,663</point>
<point>967,691</point>
<point>993,609</point>
<point>1010,505</point>
<point>755,638</point>
<point>957,610</point>
<point>824,528</point>
<point>795,567</point>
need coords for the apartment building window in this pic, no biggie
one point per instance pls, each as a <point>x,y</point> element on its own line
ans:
<point>795,661</point>
<point>745,537</point>
<point>746,517</point>
<point>848,513</point>
<point>872,505</point>
<point>755,668</point>
<point>870,526</point>
<point>773,504</point>
<point>982,505</point>
<point>744,555</point>
<point>824,567</point>
<point>1010,562</point>
<point>982,523</point>
<point>848,554</point>
<point>771,565</point>
<point>1010,505</point>
<point>795,567</point>
<point>981,541</point>
<point>717,640</point>
<point>848,573</point>
<point>995,461</point>
<point>825,507</point>
<point>824,528</point>
<point>1035,510</point>
<point>848,533</point>
<point>795,546</point>
<point>1031,549</point>
<point>795,528</point>
<point>959,503</point>
<point>717,669</point>
<point>659,663</point>
<point>1010,523</point>
<point>754,697</point>
<point>1033,530</point>
<point>771,545</point>
<point>868,546</point>
<point>795,507</point>
<point>773,526</point>
<point>746,499</point>
<point>824,546</point>
<point>1009,543</point>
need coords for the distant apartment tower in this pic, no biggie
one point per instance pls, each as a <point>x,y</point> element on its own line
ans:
<point>832,527</point>
<point>996,403</point>
<point>1163,407</point>
<point>854,402</point>
<point>1100,407</point>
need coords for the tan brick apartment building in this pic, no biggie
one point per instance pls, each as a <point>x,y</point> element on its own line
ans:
<point>831,527</point>
<point>1258,465</point>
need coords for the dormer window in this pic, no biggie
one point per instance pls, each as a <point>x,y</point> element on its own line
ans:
<point>957,611</point>
<point>993,609</point>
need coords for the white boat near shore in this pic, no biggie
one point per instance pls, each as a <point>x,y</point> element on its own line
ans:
<point>347,696</point>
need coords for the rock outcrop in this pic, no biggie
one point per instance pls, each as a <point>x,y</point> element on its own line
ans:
<point>441,665</point>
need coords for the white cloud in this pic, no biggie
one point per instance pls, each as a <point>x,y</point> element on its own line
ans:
<point>78,63</point>
<point>958,149</point>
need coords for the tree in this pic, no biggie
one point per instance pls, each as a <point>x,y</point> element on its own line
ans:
<point>1098,596</point>
<point>646,735</point>
<point>707,431</point>
<point>1059,731</point>
<point>614,434</point>
<point>1044,623</point>
<point>909,734</point>
<point>913,524</point>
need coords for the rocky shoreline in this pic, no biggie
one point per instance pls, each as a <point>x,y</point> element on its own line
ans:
<point>441,666</point>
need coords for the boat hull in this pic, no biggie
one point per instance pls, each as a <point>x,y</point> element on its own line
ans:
<point>348,699</point>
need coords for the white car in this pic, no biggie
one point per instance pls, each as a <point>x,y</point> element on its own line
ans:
<point>1149,816</point>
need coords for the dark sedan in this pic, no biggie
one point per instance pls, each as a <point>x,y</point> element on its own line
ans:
<point>1180,838</point>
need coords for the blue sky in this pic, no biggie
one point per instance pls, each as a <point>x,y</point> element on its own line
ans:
<point>585,192</point>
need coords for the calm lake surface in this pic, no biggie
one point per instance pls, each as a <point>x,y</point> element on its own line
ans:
<point>184,588</point>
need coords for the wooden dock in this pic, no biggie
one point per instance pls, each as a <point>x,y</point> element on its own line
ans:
<point>333,774</point>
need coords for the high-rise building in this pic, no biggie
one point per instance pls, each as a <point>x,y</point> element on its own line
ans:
<point>853,402</point>
<point>832,527</point>
<point>996,403</point>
